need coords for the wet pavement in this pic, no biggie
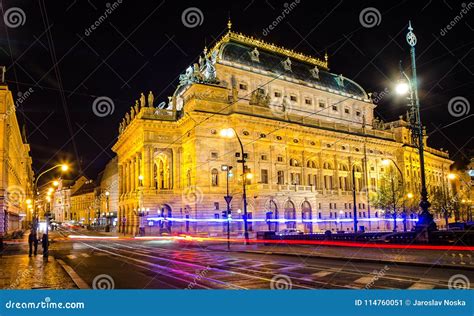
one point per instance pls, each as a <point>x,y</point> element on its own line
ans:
<point>18,271</point>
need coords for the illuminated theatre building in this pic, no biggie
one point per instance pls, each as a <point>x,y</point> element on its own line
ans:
<point>304,130</point>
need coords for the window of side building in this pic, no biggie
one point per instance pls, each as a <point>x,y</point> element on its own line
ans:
<point>214,177</point>
<point>264,176</point>
<point>280,177</point>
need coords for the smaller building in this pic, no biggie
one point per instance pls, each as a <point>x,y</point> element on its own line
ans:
<point>107,193</point>
<point>61,209</point>
<point>83,202</point>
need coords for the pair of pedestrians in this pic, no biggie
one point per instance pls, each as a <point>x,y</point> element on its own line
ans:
<point>33,243</point>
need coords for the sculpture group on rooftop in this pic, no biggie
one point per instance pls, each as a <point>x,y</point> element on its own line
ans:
<point>136,109</point>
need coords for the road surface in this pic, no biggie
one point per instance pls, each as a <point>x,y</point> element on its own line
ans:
<point>171,264</point>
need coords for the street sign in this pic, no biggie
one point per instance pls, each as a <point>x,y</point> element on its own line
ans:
<point>228,198</point>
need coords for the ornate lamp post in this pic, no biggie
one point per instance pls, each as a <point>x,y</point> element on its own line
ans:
<point>246,175</point>
<point>141,209</point>
<point>425,218</point>
<point>107,227</point>
<point>228,199</point>
<point>64,168</point>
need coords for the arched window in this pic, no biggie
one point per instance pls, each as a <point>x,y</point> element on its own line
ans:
<point>272,215</point>
<point>306,215</point>
<point>290,215</point>
<point>294,162</point>
<point>311,164</point>
<point>327,165</point>
<point>155,176</point>
<point>214,177</point>
<point>343,167</point>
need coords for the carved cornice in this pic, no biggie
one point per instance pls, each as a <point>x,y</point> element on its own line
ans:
<point>254,42</point>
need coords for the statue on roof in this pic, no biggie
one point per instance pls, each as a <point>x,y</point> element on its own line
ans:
<point>287,64</point>
<point>132,113</point>
<point>315,72</point>
<point>151,98</point>
<point>142,100</point>
<point>209,72</point>
<point>340,80</point>
<point>196,75</point>
<point>201,62</point>
<point>137,107</point>
<point>127,118</point>
<point>254,55</point>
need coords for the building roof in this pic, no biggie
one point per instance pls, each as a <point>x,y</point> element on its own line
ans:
<point>256,54</point>
<point>86,187</point>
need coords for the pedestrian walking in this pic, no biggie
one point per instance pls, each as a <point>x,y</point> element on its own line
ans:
<point>45,244</point>
<point>33,243</point>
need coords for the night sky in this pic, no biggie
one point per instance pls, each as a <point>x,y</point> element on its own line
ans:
<point>144,45</point>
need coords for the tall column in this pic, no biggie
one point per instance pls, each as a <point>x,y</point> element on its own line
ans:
<point>127,176</point>
<point>151,166</point>
<point>120,179</point>
<point>132,174</point>
<point>137,170</point>
<point>320,172</point>
<point>119,219</point>
<point>146,165</point>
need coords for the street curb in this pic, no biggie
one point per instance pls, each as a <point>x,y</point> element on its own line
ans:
<point>80,283</point>
<point>405,263</point>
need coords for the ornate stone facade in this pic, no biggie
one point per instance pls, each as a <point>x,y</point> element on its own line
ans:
<point>303,129</point>
<point>16,174</point>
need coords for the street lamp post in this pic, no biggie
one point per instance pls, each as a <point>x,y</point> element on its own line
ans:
<point>140,211</point>
<point>425,218</point>
<point>354,200</point>
<point>230,132</point>
<point>228,199</point>
<point>107,218</point>
<point>64,168</point>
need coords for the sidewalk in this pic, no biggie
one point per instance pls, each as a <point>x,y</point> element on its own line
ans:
<point>18,271</point>
<point>447,259</point>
